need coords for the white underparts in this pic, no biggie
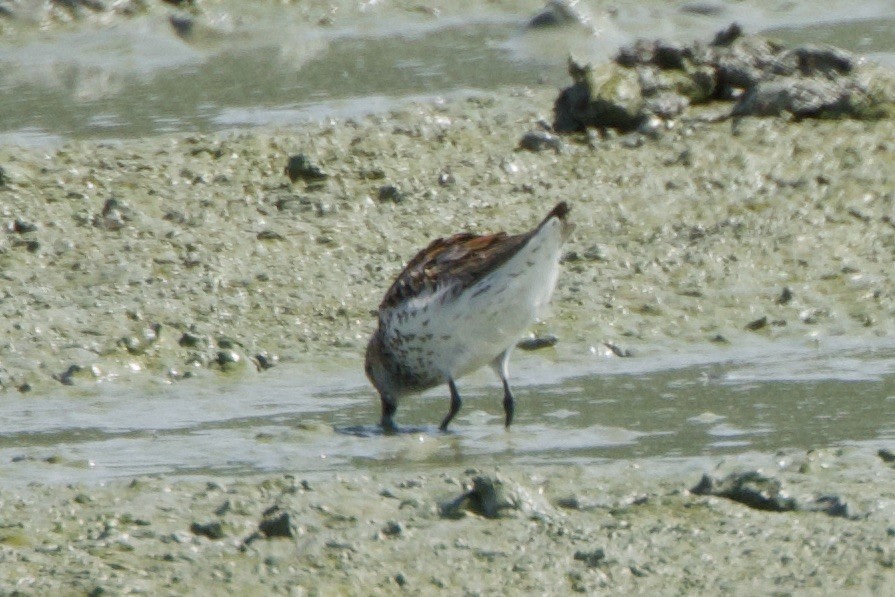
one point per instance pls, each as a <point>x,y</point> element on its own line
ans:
<point>450,334</point>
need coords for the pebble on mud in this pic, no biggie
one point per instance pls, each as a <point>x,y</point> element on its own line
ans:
<point>264,361</point>
<point>276,522</point>
<point>592,558</point>
<point>785,296</point>
<point>268,234</point>
<point>20,226</point>
<point>191,340</point>
<point>757,324</point>
<point>66,378</point>
<point>390,192</point>
<point>556,13</point>
<point>229,361</point>
<point>485,498</point>
<point>300,167</point>
<point>539,141</point>
<point>212,530</point>
<point>392,529</point>
<point>183,25</point>
<point>114,215</point>
<point>537,342</point>
<point>618,350</point>
<point>139,344</point>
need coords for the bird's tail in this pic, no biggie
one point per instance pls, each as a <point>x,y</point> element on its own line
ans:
<point>561,212</point>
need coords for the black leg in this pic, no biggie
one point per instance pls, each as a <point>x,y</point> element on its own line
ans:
<point>501,366</point>
<point>456,402</point>
<point>388,411</point>
<point>509,405</point>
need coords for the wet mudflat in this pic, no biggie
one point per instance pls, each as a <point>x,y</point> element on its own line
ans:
<point>181,327</point>
<point>816,522</point>
<point>774,466</point>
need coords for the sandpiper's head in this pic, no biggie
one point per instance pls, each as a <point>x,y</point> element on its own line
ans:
<point>383,379</point>
<point>377,372</point>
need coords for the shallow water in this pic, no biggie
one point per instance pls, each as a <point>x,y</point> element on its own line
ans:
<point>138,78</point>
<point>699,403</point>
<point>253,85</point>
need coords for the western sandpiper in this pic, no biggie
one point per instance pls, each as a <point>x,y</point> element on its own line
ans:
<point>463,302</point>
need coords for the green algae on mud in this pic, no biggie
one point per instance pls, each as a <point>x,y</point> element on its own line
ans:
<point>154,257</point>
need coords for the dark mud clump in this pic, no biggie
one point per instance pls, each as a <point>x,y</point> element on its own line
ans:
<point>760,492</point>
<point>759,76</point>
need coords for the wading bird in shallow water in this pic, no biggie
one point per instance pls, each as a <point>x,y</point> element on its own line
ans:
<point>463,302</point>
